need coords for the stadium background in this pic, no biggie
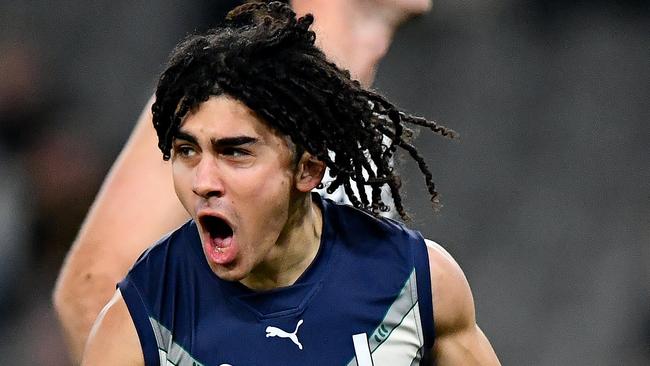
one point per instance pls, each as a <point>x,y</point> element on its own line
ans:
<point>547,195</point>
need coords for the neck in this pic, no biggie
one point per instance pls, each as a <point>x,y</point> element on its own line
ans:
<point>294,250</point>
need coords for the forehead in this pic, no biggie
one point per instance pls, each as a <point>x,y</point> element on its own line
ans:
<point>223,116</point>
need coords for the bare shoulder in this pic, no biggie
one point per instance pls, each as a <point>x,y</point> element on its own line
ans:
<point>459,340</point>
<point>113,339</point>
<point>453,302</point>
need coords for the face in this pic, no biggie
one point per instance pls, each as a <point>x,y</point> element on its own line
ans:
<point>236,177</point>
<point>356,34</point>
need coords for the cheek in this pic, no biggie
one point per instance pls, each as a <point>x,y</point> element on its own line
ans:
<point>266,194</point>
<point>269,179</point>
<point>182,184</point>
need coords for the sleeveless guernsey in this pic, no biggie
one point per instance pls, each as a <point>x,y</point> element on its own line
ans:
<point>365,300</point>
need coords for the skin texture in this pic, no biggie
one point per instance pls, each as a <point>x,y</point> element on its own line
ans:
<point>215,178</point>
<point>251,184</point>
<point>459,340</point>
<point>137,205</point>
<point>113,340</point>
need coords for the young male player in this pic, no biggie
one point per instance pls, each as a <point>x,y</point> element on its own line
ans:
<point>137,203</point>
<point>267,272</point>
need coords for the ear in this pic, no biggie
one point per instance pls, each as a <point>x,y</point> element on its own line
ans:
<point>309,172</point>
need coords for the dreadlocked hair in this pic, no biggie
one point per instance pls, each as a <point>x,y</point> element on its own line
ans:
<point>265,57</point>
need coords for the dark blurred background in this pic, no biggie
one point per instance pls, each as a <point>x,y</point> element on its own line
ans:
<point>546,197</point>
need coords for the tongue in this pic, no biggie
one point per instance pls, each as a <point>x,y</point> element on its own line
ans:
<point>222,251</point>
<point>221,242</point>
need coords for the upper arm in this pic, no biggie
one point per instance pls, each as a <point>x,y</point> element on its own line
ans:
<point>113,339</point>
<point>135,206</point>
<point>459,340</point>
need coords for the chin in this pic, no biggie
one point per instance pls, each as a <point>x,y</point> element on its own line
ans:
<point>232,274</point>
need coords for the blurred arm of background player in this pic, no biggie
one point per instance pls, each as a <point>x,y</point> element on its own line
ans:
<point>137,204</point>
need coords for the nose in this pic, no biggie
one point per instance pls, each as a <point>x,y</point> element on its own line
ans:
<point>207,180</point>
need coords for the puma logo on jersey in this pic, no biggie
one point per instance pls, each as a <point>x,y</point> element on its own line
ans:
<point>277,332</point>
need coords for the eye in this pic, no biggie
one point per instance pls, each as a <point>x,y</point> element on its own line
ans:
<point>235,152</point>
<point>184,151</point>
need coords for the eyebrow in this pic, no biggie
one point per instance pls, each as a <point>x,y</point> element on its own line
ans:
<point>219,143</point>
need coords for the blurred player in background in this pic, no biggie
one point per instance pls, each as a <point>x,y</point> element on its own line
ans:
<point>137,204</point>
<point>249,114</point>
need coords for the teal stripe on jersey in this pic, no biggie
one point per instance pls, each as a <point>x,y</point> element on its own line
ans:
<point>169,351</point>
<point>400,331</point>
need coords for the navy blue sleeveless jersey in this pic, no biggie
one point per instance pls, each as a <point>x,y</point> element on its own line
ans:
<point>365,300</point>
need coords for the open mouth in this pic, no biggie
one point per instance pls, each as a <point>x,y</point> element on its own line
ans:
<point>218,237</point>
<point>218,229</point>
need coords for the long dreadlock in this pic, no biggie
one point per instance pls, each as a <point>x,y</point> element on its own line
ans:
<point>266,58</point>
